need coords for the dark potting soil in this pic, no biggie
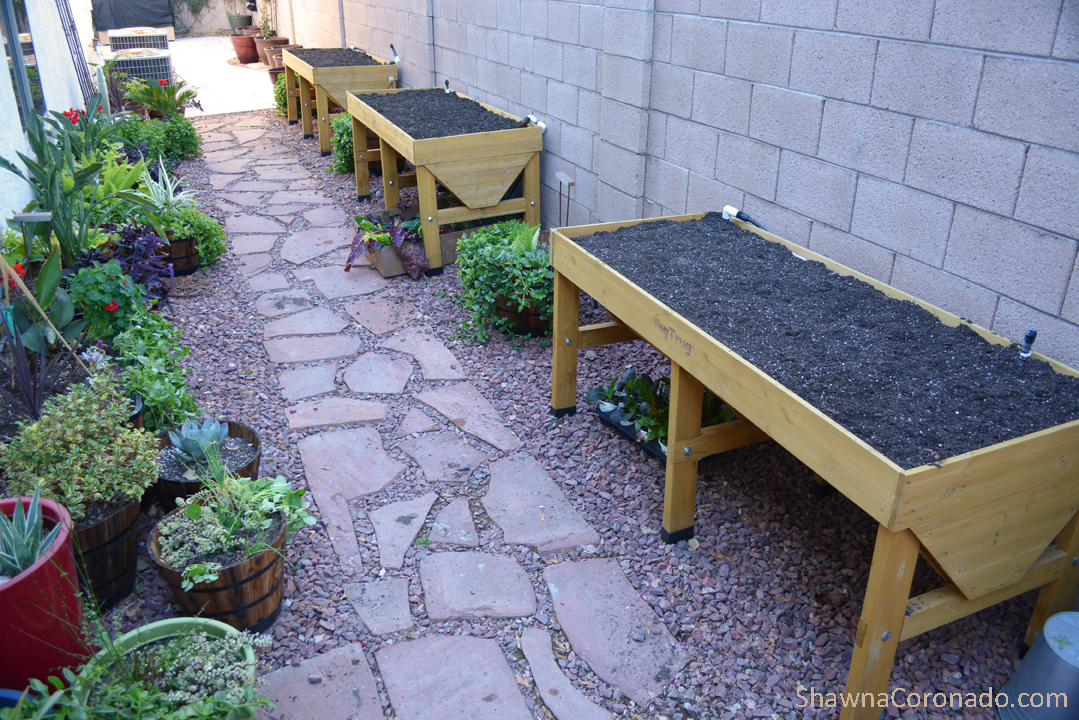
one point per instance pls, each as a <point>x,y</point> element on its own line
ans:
<point>913,388</point>
<point>235,452</point>
<point>98,512</point>
<point>436,113</point>
<point>334,57</point>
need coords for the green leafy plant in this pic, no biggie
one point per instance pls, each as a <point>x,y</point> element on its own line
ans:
<point>164,194</point>
<point>199,573</point>
<point>280,99</point>
<point>343,161</point>
<point>162,97</point>
<point>193,440</point>
<point>404,236</point>
<point>172,139</point>
<point>37,334</point>
<point>22,538</point>
<point>36,706</point>
<point>81,451</point>
<point>190,222</point>
<point>108,298</point>
<point>150,352</point>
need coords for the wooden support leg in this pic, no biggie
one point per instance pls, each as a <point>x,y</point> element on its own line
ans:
<point>532,190</point>
<point>305,108</point>
<point>390,189</point>
<point>322,107</point>
<point>359,160</point>
<point>1058,596</point>
<point>881,623</point>
<point>564,325</point>
<point>428,192</point>
<point>680,495</point>
<point>292,100</point>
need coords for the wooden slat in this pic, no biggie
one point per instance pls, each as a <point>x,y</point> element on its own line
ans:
<point>292,101</point>
<point>564,328</point>
<point>607,333</point>
<point>939,607</point>
<point>532,190</point>
<point>305,106</point>
<point>391,191</point>
<point>322,116</point>
<point>680,491</point>
<point>458,148</point>
<point>717,439</point>
<point>359,160</point>
<point>464,214</point>
<point>294,63</point>
<point>1058,595</point>
<point>480,184</point>
<point>428,196</point>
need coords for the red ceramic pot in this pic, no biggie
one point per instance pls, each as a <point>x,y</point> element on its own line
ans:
<point>40,613</point>
<point>244,46</point>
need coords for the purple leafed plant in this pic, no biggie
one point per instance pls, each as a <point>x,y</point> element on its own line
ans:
<point>375,234</point>
<point>142,256</point>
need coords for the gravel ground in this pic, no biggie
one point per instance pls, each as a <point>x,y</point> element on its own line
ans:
<point>768,602</point>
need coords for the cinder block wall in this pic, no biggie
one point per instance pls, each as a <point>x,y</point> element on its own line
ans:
<point>933,144</point>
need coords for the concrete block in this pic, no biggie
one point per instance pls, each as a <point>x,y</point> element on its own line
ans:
<point>458,37</point>
<point>786,118</point>
<point>707,195</point>
<point>447,9</point>
<point>533,18</point>
<point>833,65</point>
<point>657,133</point>
<point>946,291</point>
<point>628,33</point>
<point>699,43</point>
<point>902,219</point>
<point>678,6</point>
<point>672,89</point>
<point>720,101</point>
<point>487,75</point>
<point>654,210</point>
<point>1017,260</point>
<point>592,26</point>
<point>1070,310</point>
<point>866,139</point>
<point>509,83</point>
<point>927,81</point>
<point>818,14</point>
<point>498,46</point>
<point>547,58</point>
<point>1047,197</point>
<point>534,92</point>
<point>579,66</point>
<point>691,145</point>
<point>564,22</point>
<point>586,191</point>
<point>732,9</point>
<point>855,253</point>
<point>614,205</point>
<point>476,40</point>
<point>1066,46</point>
<point>817,190</point>
<point>1019,26</point>
<point>748,165</point>
<point>588,110</point>
<point>577,146</point>
<point>661,38</point>
<point>552,138</point>
<point>666,184</point>
<point>761,53</point>
<point>779,220</point>
<point>562,101</point>
<point>1057,339</point>
<point>521,52</point>
<point>911,20</point>
<point>624,125</point>
<point>621,169</point>
<point>626,80</point>
<point>966,165</point>
<point>1034,100</point>
<point>508,15</point>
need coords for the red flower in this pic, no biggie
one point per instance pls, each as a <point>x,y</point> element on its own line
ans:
<point>162,82</point>
<point>18,268</point>
<point>112,306</point>
<point>101,105</point>
<point>74,118</point>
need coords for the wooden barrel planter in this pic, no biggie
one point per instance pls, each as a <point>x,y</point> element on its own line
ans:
<point>246,595</point>
<point>134,421</point>
<point>524,321</point>
<point>105,552</point>
<point>168,490</point>
<point>183,254</point>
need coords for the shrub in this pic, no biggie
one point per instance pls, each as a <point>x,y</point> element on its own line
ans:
<point>191,222</point>
<point>150,352</point>
<point>280,95</point>
<point>342,145</point>
<point>107,297</point>
<point>172,139</point>
<point>81,451</point>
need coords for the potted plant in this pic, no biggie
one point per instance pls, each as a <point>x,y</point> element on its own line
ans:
<point>162,99</point>
<point>40,613</point>
<point>84,456</point>
<point>173,205</point>
<point>237,21</point>
<point>183,457</point>
<point>391,244</point>
<point>221,551</point>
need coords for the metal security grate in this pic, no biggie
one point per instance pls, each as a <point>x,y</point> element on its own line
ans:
<point>82,70</point>
<point>149,65</point>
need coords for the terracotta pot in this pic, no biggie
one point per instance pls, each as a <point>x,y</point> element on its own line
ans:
<point>252,31</point>
<point>274,73</point>
<point>264,44</point>
<point>244,46</point>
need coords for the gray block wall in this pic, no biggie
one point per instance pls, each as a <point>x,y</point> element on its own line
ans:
<point>932,144</point>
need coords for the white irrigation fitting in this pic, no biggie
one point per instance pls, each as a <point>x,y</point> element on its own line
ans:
<point>1028,341</point>
<point>730,211</point>
<point>535,121</point>
<point>396,57</point>
<point>448,86</point>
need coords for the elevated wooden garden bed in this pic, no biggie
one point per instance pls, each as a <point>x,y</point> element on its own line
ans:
<point>996,521</point>
<point>478,168</point>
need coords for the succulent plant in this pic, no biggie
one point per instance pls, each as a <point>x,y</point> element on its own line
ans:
<point>192,440</point>
<point>21,543</point>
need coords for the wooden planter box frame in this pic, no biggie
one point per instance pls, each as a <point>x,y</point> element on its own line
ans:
<point>476,167</point>
<point>330,85</point>
<point>996,522</point>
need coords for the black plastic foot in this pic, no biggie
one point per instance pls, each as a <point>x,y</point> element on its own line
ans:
<point>433,272</point>
<point>677,536</point>
<point>1023,649</point>
<point>823,490</point>
<point>562,412</point>
<point>364,198</point>
<point>308,136</point>
<point>293,122</point>
<point>325,153</point>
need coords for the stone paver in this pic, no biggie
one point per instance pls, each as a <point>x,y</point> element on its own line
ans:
<point>475,585</point>
<point>276,304</point>
<point>454,525</point>
<point>558,693</point>
<point>251,224</point>
<point>243,136</point>
<point>334,411</point>
<point>272,150</point>
<point>381,315</point>
<point>336,685</point>
<point>415,421</point>
<point>443,457</point>
<point>397,525</point>
<point>247,199</point>
<point>328,216</point>
<point>334,282</point>
<point>379,373</point>
<point>319,321</point>
<point>308,244</point>
<point>291,172</point>
<point>254,264</point>
<point>229,166</point>
<point>298,350</point>
<point>337,519</point>
<point>304,184</point>
<point>257,186</point>
<point>278,210</point>
<point>435,359</point>
<point>220,182</point>
<point>215,146</point>
<point>289,160</point>
<point>217,137</point>
<point>247,244</point>
<point>223,155</point>
<point>285,197</point>
<point>303,383</point>
<point>268,281</point>
<point>470,411</point>
<point>529,507</point>
<point>286,219</point>
<point>382,604</point>
<point>450,678</point>
<point>612,629</point>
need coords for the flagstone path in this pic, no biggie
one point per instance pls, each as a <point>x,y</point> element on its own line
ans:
<point>351,352</point>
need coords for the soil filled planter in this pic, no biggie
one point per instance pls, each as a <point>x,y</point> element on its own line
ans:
<point>40,613</point>
<point>244,46</point>
<point>246,595</point>
<point>183,254</point>
<point>168,489</point>
<point>106,554</point>
<point>525,321</point>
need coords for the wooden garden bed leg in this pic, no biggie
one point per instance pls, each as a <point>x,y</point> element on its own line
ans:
<point>881,623</point>
<point>567,316</point>
<point>322,107</point>
<point>1058,595</point>
<point>305,108</point>
<point>428,192</point>
<point>532,190</point>
<point>680,495</point>
<point>390,189</point>
<point>359,160</point>
<point>292,101</point>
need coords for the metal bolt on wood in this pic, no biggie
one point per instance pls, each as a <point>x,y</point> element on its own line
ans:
<point>687,451</point>
<point>391,182</point>
<point>885,636</point>
<point>568,341</point>
<point>1075,561</point>
<point>430,219</point>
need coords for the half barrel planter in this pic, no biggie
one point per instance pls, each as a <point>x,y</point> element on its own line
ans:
<point>168,490</point>
<point>106,554</point>
<point>183,253</point>
<point>523,321</point>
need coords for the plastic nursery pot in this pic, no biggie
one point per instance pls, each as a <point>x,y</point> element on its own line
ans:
<point>244,47</point>
<point>106,554</point>
<point>168,490</point>
<point>247,595</point>
<point>40,613</point>
<point>183,253</point>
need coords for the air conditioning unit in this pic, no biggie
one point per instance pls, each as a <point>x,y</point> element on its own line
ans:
<point>149,65</point>
<point>138,38</point>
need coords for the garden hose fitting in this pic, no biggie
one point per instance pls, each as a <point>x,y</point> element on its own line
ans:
<point>730,211</point>
<point>396,57</point>
<point>448,86</point>
<point>1028,341</point>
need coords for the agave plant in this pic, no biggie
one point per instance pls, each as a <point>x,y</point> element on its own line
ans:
<point>21,542</point>
<point>193,440</point>
<point>164,194</point>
